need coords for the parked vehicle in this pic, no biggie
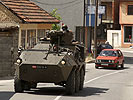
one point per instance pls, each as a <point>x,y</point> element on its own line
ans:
<point>103,46</point>
<point>53,60</point>
<point>110,58</point>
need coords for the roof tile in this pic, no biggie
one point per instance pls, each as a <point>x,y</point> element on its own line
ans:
<point>29,12</point>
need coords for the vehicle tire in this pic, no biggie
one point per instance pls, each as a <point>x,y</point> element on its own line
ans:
<point>70,84</point>
<point>27,86</point>
<point>81,79</point>
<point>77,80</point>
<point>117,66</point>
<point>96,67</point>
<point>122,65</point>
<point>18,85</point>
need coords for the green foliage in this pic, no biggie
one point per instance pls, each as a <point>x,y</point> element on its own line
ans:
<point>57,16</point>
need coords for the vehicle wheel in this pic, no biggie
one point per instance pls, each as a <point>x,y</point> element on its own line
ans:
<point>27,86</point>
<point>70,84</point>
<point>96,67</point>
<point>117,66</point>
<point>122,65</point>
<point>77,81</point>
<point>81,79</point>
<point>18,85</point>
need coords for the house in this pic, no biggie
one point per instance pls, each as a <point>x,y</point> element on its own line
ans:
<point>22,23</point>
<point>110,22</point>
<point>126,22</point>
<point>121,35</point>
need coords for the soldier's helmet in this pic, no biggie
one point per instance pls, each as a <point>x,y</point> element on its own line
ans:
<point>64,27</point>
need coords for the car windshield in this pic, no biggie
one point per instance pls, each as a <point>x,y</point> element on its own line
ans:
<point>108,53</point>
<point>106,46</point>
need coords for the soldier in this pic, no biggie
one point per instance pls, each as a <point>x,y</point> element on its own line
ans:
<point>67,36</point>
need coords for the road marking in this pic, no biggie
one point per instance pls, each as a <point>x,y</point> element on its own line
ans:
<point>6,81</point>
<point>103,76</point>
<point>58,97</point>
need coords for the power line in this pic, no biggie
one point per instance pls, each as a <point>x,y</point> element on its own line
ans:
<point>70,5</point>
<point>59,4</point>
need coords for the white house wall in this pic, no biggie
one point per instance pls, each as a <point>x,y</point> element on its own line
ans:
<point>110,37</point>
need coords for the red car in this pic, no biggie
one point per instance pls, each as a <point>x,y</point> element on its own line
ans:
<point>110,58</point>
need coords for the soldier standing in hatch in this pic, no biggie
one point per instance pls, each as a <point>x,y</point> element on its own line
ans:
<point>67,36</point>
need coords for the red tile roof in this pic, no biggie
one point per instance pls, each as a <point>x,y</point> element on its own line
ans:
<point>29,12</point>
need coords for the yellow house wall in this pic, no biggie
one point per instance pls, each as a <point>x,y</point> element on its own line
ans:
<point>32,27</point>
<point>35,26</point>
<point>124,18</point>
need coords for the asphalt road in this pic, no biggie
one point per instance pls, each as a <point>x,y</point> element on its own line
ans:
<point>100,84</point>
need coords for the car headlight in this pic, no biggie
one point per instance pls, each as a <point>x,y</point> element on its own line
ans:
<point>113,61</point>
<point>110,61</point>
<point>63,62</point>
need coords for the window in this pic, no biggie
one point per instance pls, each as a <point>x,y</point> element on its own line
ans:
<point>41,34</point>
<point>23,41</point>
<point>104,16</point>
<point>128,34</point>
<point>29,38</point>
<point>130,10</point>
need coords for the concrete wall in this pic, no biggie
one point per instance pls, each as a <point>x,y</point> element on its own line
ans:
<point>114,37</point>
<point>70,11</point>
<point>8,43</point>
<point>124,18</point>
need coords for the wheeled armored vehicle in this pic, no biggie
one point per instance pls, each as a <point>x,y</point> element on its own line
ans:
<point>56,59</point>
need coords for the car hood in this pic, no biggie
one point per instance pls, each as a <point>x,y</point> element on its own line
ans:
<point>106,58</point>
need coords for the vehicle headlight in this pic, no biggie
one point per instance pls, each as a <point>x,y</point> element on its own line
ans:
<point>19,61</point>
<point>63,62</point>
<point>113,61</point>
<point>110,61</point>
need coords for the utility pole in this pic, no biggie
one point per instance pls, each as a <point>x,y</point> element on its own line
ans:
<point>95,30</point>
<point>84,22</point>
<point>84,15</point>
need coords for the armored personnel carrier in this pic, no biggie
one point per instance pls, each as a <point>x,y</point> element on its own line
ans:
<point>55,60</point>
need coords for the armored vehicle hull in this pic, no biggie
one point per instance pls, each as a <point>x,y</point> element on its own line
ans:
<point>46,63</point>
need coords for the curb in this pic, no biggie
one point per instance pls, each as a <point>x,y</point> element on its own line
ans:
<point>91,61</point>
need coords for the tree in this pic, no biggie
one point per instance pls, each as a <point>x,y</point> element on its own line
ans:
<point>57,16</point>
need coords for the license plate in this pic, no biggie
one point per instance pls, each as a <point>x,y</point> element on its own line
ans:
<point>105,64</point>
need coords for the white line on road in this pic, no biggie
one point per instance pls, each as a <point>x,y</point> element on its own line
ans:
<point>58,97</point>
